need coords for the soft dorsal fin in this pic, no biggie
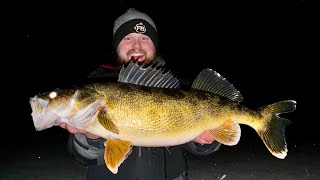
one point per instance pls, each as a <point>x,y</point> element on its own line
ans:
<point>152,76</point>
<point>211,81</point>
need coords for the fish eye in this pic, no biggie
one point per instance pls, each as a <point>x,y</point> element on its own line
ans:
<point>53,94</point>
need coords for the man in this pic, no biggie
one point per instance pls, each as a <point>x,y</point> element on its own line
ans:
<point>135,38</point>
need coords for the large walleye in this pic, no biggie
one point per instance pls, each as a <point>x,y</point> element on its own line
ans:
<point>145,108</point>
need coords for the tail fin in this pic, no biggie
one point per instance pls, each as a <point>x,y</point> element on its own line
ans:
<point>273,129</point>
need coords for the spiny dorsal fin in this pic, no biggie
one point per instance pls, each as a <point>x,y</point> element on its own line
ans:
<point>152,76</point>
<point>211,81</point>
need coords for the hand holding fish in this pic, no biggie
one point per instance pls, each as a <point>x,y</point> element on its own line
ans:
<point>74,130</point>
<point>204,138</point>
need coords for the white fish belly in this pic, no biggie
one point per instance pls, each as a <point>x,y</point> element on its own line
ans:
<point>158,141</point>
<point>154,141</point>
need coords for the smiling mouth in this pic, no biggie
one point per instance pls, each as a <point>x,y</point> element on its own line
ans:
<point>138,58</point>
<point>137,55</point>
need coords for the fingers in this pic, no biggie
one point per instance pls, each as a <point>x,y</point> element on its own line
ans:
<point>204,138</point>
<point>70,128</point>
<point>200,141</point>
<point>63,125</point>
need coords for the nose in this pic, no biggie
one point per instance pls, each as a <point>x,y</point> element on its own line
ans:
<point>136,44</point>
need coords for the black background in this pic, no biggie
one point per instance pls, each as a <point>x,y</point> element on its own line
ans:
<point>267,49</point>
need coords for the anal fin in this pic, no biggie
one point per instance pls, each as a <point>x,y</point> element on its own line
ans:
<point>115,153</point>
<point>228,134</point>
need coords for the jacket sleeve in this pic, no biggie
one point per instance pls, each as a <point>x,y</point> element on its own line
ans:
<point>86,151</point>
<point>198,149</point>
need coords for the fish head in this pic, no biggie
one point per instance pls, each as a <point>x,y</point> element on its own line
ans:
<point>50,108</point>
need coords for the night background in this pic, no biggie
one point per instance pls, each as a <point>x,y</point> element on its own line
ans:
<point>267,49</point>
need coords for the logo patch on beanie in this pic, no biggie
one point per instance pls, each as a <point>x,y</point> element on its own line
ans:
<point>140,28</point>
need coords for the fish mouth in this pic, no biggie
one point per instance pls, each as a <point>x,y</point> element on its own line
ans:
<point>38,107</point>
<point>35,106</point>
<point>36,113</point>
<point>44,118</point>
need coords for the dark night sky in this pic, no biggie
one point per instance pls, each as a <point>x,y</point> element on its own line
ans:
<point>263,47</point>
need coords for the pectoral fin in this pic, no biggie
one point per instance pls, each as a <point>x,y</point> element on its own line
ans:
<point>115,153</point>
<point>228,134</point>
<point>106,121</point>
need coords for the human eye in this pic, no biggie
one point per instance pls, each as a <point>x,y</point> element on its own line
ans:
<point>127,38</point>
<point>144,38</point>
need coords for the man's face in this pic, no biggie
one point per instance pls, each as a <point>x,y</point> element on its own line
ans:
<point>138,47</point>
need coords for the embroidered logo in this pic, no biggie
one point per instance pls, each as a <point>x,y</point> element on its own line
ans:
<point>140,28</point>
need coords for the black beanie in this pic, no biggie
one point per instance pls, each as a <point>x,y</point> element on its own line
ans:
<point>134,21</point>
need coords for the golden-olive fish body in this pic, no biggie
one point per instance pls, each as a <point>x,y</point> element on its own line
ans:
<point>137,111</point>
